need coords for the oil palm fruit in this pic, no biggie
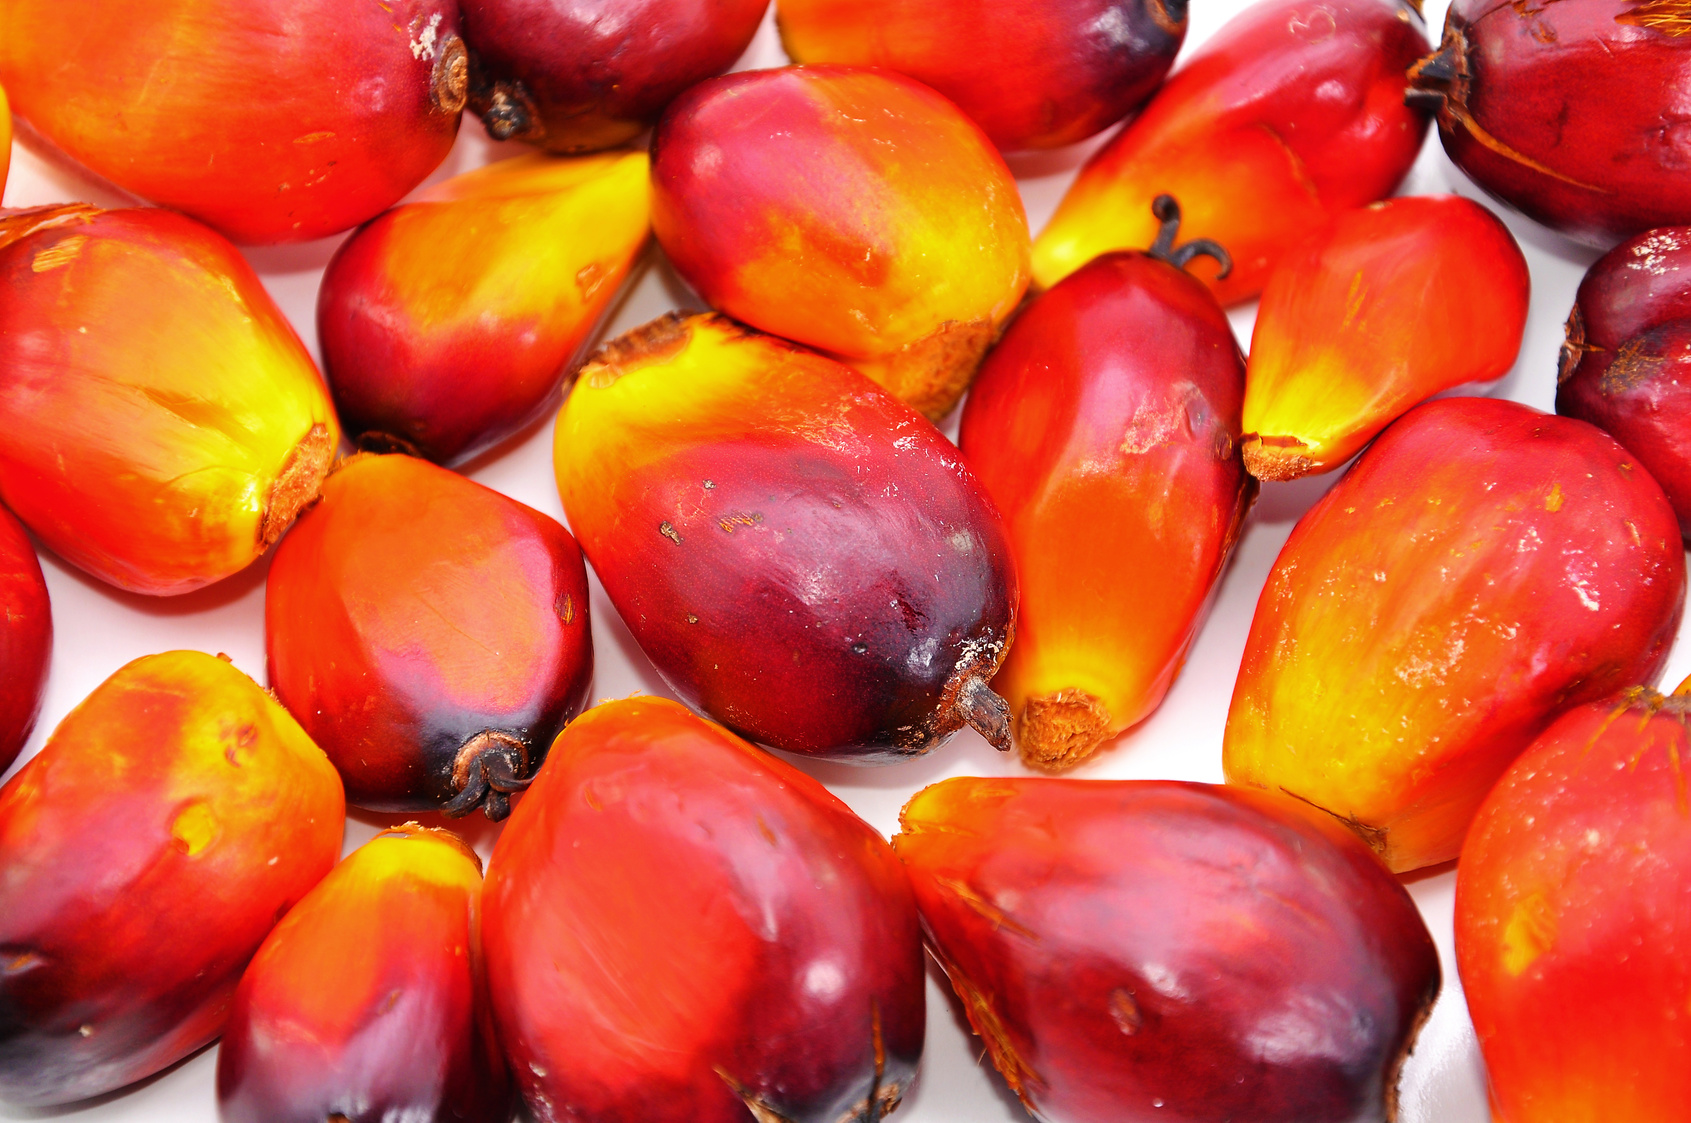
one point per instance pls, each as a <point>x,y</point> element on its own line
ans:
<point>1106,426</point>
<point>368,1002</point>
<point>164,423</point>
<point>5,138</point>
<point>1481,568</point>
<point>1142,951</point>
<point>854,211</point>
<point>1288,116</point>
<point>1389,305</point>
<point>167,825</point>
<point>430,633</point>
<point>682,929</point>
<point>801,556</point>
<point>26,637</point>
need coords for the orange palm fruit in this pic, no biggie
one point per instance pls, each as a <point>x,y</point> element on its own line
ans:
<point>166,826</point>
<point>1289,115</point>
<point>430,633</point>
<point>164,423</point>
<point>448,323</point>
<point>272,121</point>
<point>26,637</point>
<point>682,929</point>
<point>800,555</point>
<point>853,211</point>
<point>368,1002</point>
<point>1481,568</point>
<point>1573,919</point>
<point>1105,426</point>
<point>1388,306</point>
<point>5,138</point>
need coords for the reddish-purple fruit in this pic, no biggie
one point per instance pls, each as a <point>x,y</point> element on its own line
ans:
<point>26,637</point>
<point>1626,365</point>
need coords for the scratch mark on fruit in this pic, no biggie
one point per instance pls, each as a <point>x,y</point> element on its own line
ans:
<point>760,1110</point>
<point>980,905</point>
<point>58,255</point>
<point>1354,299</point>
<point>589,279</point>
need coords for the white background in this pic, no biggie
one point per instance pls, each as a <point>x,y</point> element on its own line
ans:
<point>98,629</point>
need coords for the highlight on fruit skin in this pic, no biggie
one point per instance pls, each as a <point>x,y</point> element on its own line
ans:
<point>580,75</point>
<point>1133,951</point>
<point>171,819</point>
<point>1031,75</point>
<point>164,423</point>
<point>680,928</point>
<point>430,633</point>
<point>26,638</point>
<point>801,556</point>
<point>1105,426</point>
<point>1558,110</point>
<point>448,323</point>
<point>1288,116</point>
<point>368,1002</point>
<point>5,138</point>
<point>271,121</point>
<point>1572,919</point>
<point>1480,569</point>
<point>1625,360</point>
<point>1389,305</point>
<point>853,211</point>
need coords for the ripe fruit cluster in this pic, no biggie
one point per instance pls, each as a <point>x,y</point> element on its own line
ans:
<point>1453,657</point>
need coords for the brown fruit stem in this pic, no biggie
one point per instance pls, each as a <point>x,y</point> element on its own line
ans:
<point>299,482</point>
<point>491,765</point>
<point>1060,730</point>
<point>1167,211</point>
<point>985,712</point>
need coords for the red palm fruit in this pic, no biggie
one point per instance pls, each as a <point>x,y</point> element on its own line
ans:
<point>447,324</point>
<point>680,928</point>
<point>272,121</point>
<point>368,1001</point>
<point>1031,75</point>
<point>1291,114</point>
<point>164,424</point>
<point>1626,364</point>
<point>26,638</point>
<point>800,556</point>
<point>1568,112</point>
<point>169,822</point>
<point>1481,568</point>
<point>1105,426</point>
<point>1386,307</point>
<point>430,633</point>
<point>1573,919</point>
<point>577,75</point>
<point>1151,951</point>
<point>853,211</point>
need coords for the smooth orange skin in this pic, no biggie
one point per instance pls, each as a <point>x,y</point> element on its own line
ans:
<point>168,823</point>
<point>1391,304</point>
<point>369,999</point>
<point>1288,116</point>
<point>5,138</point>
<point>271,120</point>
<point>151,392</point>
<point>1481,568</point>
<point>854,211</point>
<point>449,322</point>
<point>1573,919</point>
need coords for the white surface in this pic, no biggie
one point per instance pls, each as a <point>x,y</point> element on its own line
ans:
<point>98,629</point>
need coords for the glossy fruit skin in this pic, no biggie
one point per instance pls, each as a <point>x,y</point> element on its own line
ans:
<point>271,121</point>
<point>1573,904</point>
<point>856,212</point>
<point>1123,947</point>
<point>369,1000</point>
<point>448,323</point>
<point>580,75</point>
<point>164,423</point>
<point>1624,364</point>
<point>418,623</point>
<point>1105,427</point>
<point>169,822</point>
<point>801,557</point>
<point>1031,75</point>
<point>1288,116</point>
<point>26,638</point>
<point>1567,112</point>
<point>5,138</point>
<point>1481,568</point>
<point>1389,305</point>
<point>679,927</point>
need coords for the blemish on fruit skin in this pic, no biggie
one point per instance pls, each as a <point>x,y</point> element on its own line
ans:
<point>1529,933</point>
<point>1554,501</point>
<point>193,828</point>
